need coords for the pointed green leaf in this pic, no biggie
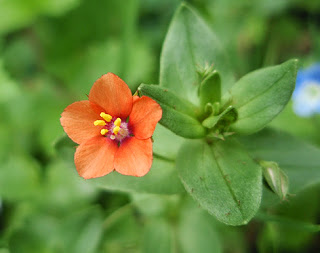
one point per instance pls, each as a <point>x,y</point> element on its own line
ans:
<point>261,95</point>
<point>178,115</point>
<point>166,97</point>
<point>298,159</point>
<point>211,121</point>
<point>222,178</point>
<point>191,43</point>
<point>210,89</point>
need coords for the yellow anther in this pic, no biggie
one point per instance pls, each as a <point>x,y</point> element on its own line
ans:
<point>106,117</point>
<point>99,122</point>
<point>117,122</point>
<point>104,131</point>
<point>116,130</point>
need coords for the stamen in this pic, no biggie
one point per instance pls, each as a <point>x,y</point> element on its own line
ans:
<point>104,131</point>
<point>116,130</point>
<point>106,117</point>
<point>117,122</point>
<point>112,137</point>
<point>99,123</point>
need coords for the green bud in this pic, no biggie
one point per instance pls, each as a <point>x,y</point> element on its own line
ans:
<point>276,178</point>
<point>210,89</point>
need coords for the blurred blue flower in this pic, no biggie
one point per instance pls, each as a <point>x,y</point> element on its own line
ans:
<point>306,96</point>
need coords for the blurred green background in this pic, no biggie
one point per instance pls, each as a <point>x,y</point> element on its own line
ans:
<point>52,51</point>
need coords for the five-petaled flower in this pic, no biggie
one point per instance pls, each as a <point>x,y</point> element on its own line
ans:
<point>113,129</point>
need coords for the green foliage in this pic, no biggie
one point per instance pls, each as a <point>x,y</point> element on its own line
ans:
<point>157,231</point>
<point>18,13</point>
<point>227,182</point>
<point>19,173</point>
<point>190,43</point>
<point>299,160</point>
<point>51,52</point>
<point>194,230</point>
<point>213,120</point>
<point>178,115</point>
<point>166,143</point>
<point>210,89</point>
<point>259,96</point>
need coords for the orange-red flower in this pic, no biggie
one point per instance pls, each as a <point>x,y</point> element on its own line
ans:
<point>113,129</point>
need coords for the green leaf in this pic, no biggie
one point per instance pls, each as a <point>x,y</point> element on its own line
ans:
<point>261,95</point>
<point>211,121</point>
<point>298,159</point>
<point>82,231</point>
<point>191,43</point>
<point>178,115</point>
<point>19,172</point>
<point>222,178</point>
<point>65,148</point>
<point>36,234</point>
<point>197,232</point>
<point>64,190</point>
<point>162,179</point>
<point>165,143</point>
<point>158,237</point>
<point>210,89</point>
<point>276,178</point>
<point>165,97</point>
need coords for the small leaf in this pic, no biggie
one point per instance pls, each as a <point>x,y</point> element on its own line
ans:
<point>222,178</point>
<point>211,121</point>
<point>191,43</point>
<point>261,95</point>
<point>166,97</point>
<point>178,115</point>
<point>276,178</point>
<point>210,89</point>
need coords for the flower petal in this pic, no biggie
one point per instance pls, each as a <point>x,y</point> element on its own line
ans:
<point>144,117</point>
<point>113,95</point>
<point>134,157</point>
<point>95,157</point>
<point>77,121</point>
<point>135,98</point>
